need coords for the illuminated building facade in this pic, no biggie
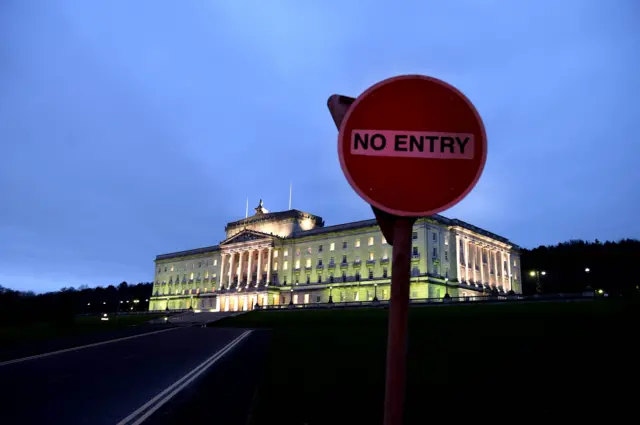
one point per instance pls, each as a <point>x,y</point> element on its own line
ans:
<point>291,256</point>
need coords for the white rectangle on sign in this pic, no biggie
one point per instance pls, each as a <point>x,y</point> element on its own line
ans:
<point>412,144</point>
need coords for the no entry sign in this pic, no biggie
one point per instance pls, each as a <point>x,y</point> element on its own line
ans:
<point>412,145</point>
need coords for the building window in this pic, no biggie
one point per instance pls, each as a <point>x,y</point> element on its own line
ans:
<point>332,246</point>
<point>385,256</point>
<point>297,252</point>
<point>356,296</point>
<point>165,269</point>
<point>319,278</point>
<point>357,276</point>
<point>435,237</point>
<point>435,252</point>
<point>275,254</point>
<point>199,264</point>
<point>172,267</point>
<point>319,261</point>
<point>342,297</point>
<point>215,262</point>
<point>191,276</point>
<point>371,256</point>
<point>332,261</point>
<point>308,250</point>
<point>446,255</point>
<point>384,294</point>
<point>331,278</point>
<point>384,273</point>
<point>344,244</point>
<point>286,265</point>
<point>317,298</point>
<point>446,239</point>
<point>308,279</point>
<point>308,263</point>
<point>357,258</point>
<point>414,235</point>
<point>286,253</point>
<point>159,270</point>
<point>206,274</point>
<point>319,248</point>
<point>275,267</point>
<point>344,259</point>
<point>357,244</point>
<point>415,251</point>
<point>383,240</point>
<point>344,277</point>
<point>297,264</point>
<point>370,241</point>
<point>370,274</point>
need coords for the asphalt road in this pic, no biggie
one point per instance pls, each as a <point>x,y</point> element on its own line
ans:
<point>104,384</point>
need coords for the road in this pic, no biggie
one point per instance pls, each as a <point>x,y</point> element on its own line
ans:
<point>106,383</point>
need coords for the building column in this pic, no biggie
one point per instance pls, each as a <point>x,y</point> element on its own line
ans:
<point>269,266</point>
<point>495,268</point>
<point>502,271</point>
<point>481,249</point>
<point>473,260</point>
<point>467,260</point>
<point>509,270</point>
<point>232,264</point>
<point>249,267</point>
<point>459,258</point>
<point>259,269</point>
<point>239,269</point>
<point>222,258</point>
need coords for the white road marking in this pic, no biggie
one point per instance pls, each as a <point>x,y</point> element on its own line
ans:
<point>66,350</point>
<point>180,384</point>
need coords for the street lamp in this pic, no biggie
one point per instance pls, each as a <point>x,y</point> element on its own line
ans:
<point>330,297</point>
<point>537,274</point>
<point>587,270</point>
<point>291,295</point>
<point>446,288</point>
<point>375,292</point>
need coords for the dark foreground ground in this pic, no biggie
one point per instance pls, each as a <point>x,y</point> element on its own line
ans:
<point>530,360</point>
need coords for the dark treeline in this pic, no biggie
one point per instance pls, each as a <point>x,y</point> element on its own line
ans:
<point>62,306</point>
<point>610,264</point>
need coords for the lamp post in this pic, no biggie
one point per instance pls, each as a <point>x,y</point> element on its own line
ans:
<point>537,274</point>
<point>446,288</point>
<point>330,297</point>
<point>291,295</point>
<point>375,292</point>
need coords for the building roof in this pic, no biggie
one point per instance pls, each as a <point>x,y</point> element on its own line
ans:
<point>274,216</point>
<point>188,252</point>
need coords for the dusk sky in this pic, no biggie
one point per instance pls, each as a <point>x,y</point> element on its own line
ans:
<point>135,128</point>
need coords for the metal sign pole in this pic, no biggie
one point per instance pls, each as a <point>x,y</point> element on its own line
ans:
<point>398,320</point>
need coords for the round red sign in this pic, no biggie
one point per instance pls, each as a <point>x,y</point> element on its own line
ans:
<point>412,145</point>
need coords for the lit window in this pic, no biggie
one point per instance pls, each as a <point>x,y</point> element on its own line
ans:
<point>297,264</point>
<point>371,256</point>
<point>332,246</point>
<point>309,250</point>
<point>206,274</point>
<point>308,264</point>
<point>357,243</point>
<point>172,267</point>
<point>383,241</point>
<point>371,241</point>
<point>214,276</point>
<point>446,239</point>
<point>385,256</point>
<point>286,265</point>
<point>191,276</point>
<point>286,252</point>
<point>414,235</point>
<point>275,254</point>
<point>215,262</point>
<point>297,252</point>
<point>357,258</point>
<point>344,244</point>
<point>384,294</point>
<point>275,267</point>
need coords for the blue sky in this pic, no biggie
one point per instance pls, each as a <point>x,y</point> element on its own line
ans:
<point>133,128</point>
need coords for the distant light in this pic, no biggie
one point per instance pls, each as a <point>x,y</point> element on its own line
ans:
<point>88,303</point>
<point>127,301</point>
<point>587,270</point>
<point>600,291</point>
<point>532,273</point>
<point>543,273</point>
<point>104,318</point>
<point>375,284</point>
<point>197,311</point>
<point>147,299</point>
<point>120,302</point>
<point>104,302</point>
<point>166,318</point>
<point>105,314</point>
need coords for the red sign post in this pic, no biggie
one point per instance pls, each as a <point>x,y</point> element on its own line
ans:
<point>411,146</point>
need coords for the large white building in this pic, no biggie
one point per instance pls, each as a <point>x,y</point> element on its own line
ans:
<point>274,258</point>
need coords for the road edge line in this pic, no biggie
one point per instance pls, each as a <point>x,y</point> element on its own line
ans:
<point>180,383</point>
<point>81,347</point>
